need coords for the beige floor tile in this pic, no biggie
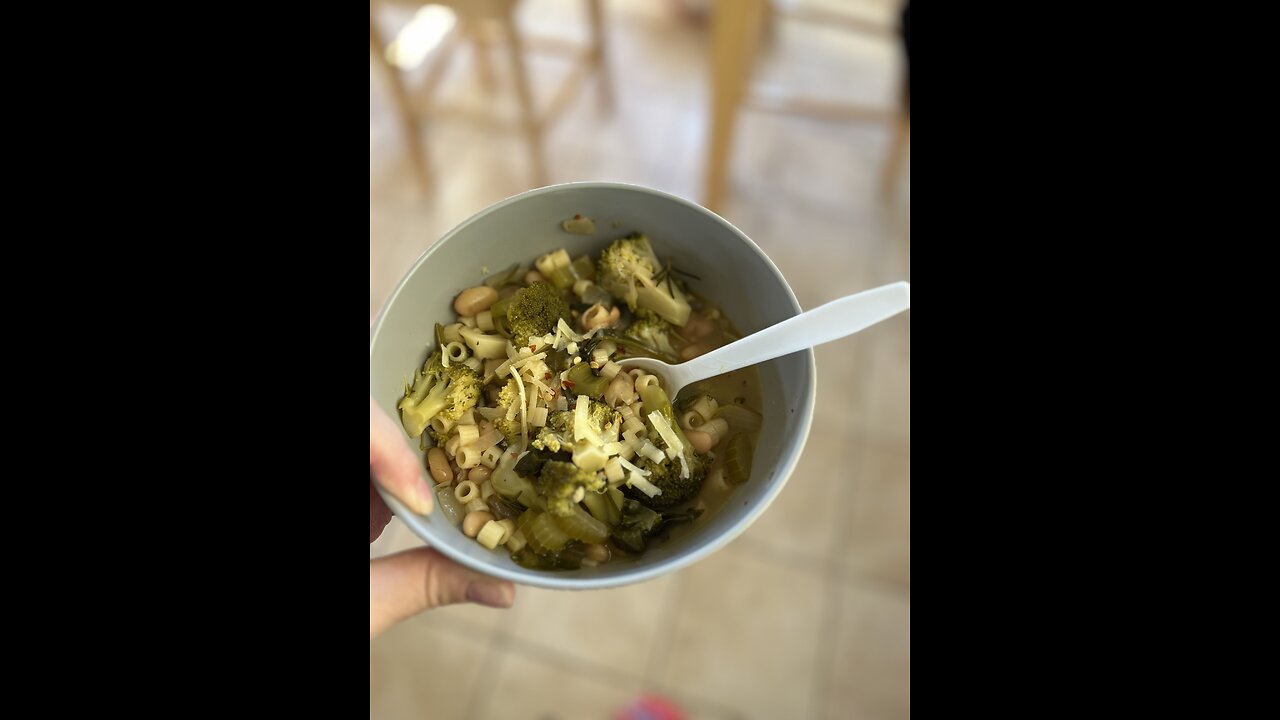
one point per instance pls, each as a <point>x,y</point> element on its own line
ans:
<point>746,634</point>
<point>417,672</point>
<point>532,687</point>
<point>870,675</point>
<point>876,539</point>
<point>885,384</point>
<point>840,392</point>
<point>615,628</point>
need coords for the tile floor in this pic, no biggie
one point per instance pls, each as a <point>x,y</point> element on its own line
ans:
<point>807,615</point>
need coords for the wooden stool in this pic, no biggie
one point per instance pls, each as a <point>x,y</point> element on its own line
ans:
<point>736,29</point>
<point>477,22</point>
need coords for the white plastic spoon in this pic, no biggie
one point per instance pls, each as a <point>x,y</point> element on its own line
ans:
<point>823,324</point>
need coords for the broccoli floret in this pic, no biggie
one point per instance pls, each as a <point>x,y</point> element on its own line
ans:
<point>600,415</point>
<point>564,484</point>
<point>510,394</point>
<point>439,390</point>
<point>561,421</point>
<point>668,475</point>
<point>551,440</point>
<point>535,311</point>
<point>651,331</point>
<point>627,269</point>
<point>558,434</point>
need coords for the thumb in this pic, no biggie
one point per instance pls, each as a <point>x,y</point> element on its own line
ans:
<point>393,465</point>
<point>409,582</point>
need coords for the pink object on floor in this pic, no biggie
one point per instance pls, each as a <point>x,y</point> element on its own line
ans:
<point>651,707</point>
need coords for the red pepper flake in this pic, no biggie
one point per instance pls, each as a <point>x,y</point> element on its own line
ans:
<point>622,349</point>
<point>532,348</point>
<point>547,376</point>
<point>577,217</point>
<point>569,384</point>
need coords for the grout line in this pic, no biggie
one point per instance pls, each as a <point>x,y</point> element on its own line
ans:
<point>694,699</point>
<point>494,658</point>
<point>826,646</point>
<point>824,569</point>
<point>464,628</point>
<point>600,672</point>
<point>873,584</point>
<point>506,644</point>
<point>660,650</point>
<point>781,556</point>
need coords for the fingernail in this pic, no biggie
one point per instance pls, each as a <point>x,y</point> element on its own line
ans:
<point>489,594</point>
<point>421,497</point>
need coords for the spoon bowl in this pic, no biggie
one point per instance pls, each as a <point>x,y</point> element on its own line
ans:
<point>837,319</point>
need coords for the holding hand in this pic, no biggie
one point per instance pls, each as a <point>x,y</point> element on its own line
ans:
<point>409,582</point>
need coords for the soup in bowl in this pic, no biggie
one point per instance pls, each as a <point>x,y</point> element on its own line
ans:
<point>529,304</point>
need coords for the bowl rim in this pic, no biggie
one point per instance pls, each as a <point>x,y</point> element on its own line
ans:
<point>553,581</point>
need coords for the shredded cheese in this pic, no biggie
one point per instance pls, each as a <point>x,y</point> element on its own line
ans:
<point>671,439</point>
<point>664,429</point>
<point>524,412</point>
<point>636,480</point>
<point>651,451</point>
<point>633,468</point>
<point>525,361</point>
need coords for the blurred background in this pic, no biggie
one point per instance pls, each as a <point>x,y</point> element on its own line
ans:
<point>787,118</point>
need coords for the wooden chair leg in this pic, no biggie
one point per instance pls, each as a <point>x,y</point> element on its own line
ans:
<point>480,49</point>
<point>599,58</point>
<point>404,112</point>
<point>897,155</point>
<point>528,117</point>
<point>735,29</point>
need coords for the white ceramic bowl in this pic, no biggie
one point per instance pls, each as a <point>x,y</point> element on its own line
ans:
<point>734,274</point>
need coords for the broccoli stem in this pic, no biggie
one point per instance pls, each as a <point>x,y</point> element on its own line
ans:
<point>655,398</point>
<point>586,382</point>
<point>737,459</point>
<point>584,268</point>
<point>420,388</point>
<point>602,508</point>
<point>562,277</point>
<point>582,526</point>
<point>435,401</point>
<point>509,275</point>
<point>673,308</point>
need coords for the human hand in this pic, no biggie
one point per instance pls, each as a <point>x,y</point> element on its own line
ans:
<point>409,582</point>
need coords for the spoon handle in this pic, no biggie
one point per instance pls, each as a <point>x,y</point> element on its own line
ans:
<point>822,324</point>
